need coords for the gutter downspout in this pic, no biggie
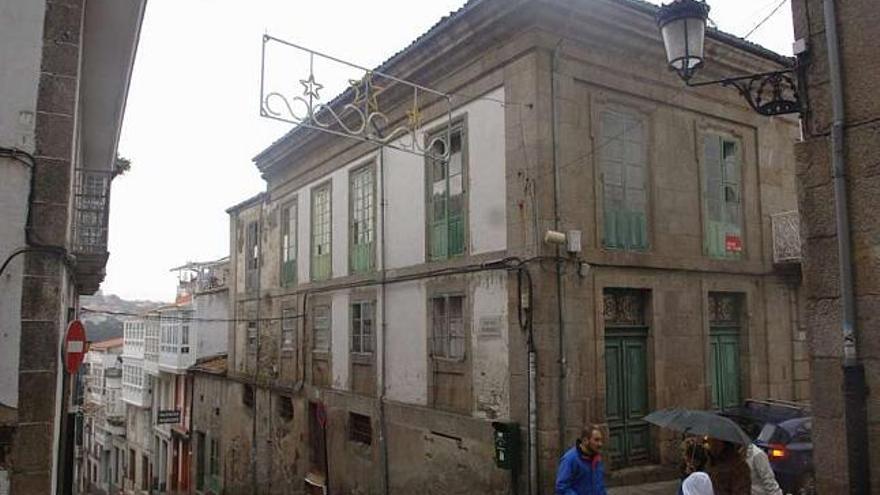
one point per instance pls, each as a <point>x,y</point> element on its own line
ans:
<point>556,223</point>
<point>855,412</point>
<point>383,439</point>
<point>257,354</point>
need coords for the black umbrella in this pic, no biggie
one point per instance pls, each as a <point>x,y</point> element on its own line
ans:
<point>700,423</point>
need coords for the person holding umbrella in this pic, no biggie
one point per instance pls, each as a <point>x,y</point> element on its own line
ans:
<point>728,469</point>
<point>695,458</point>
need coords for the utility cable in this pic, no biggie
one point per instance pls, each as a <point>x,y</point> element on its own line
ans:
<point>765,19</point>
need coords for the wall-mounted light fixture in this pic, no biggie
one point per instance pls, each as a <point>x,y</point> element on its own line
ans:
<point>682,25</point>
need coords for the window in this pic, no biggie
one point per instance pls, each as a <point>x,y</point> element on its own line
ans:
<point>288,244</point>
<point>446,201</point>
<point>447,324</point>
<point>247,396</point>
<point>362,327</point>
<point>132,463</point>
<point>252,256</point>
<point>252,336</point>
<point>184,334</point>
<point>321,236</point>
<point>288,328</point>
<point>285,408</point>
<point>321,328</point>
<point>722,197</point>
<point>624,182</point>
<point>360,428</point>
<point>362,220</point>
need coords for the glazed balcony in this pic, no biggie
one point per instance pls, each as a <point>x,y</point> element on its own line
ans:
<point>91,204</point>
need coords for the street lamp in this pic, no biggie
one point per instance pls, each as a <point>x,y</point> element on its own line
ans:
<point>682,25</point>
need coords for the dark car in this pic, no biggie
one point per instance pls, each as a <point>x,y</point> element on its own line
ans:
<point>783,430</point>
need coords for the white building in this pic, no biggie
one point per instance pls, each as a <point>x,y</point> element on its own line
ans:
<point>159,349</point>
<point>104,416</point>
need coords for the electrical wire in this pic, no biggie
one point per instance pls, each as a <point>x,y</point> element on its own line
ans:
<point>765,19</point>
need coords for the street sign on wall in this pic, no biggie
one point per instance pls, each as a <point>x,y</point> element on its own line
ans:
<point>74,346</point>
<point>171,416</point>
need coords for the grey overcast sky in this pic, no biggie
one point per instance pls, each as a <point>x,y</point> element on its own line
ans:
<point>192,124</point>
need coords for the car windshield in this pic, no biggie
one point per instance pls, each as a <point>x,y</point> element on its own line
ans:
<point>773,434</point>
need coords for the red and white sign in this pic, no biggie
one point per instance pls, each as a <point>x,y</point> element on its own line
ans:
<point>74,346</point>
<point>733,243</point>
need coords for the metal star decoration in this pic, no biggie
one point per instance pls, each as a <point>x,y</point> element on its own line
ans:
<point>371,91</point>
<point>311,87</point>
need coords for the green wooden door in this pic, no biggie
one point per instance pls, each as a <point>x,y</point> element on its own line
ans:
<point>626,396</point>
<point>725,322</point>
<point>724,367</point>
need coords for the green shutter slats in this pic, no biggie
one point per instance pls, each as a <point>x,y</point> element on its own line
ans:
<point>623,181</point>
<point>722,197</point>
<point>446,227</point>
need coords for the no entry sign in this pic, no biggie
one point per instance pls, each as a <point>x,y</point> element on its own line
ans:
<point>74,346</point>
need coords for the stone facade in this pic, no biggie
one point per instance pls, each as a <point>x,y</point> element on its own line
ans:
<point>399,417</point>
<point>62,58</point>
<point>857,21</point>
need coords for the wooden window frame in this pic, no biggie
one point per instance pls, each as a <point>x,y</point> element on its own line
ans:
<point>289,242</point>
<point>329,328</point>
<point>626,113</point>
<point>448,355</point>
<point>313,240</point>
<point>459,125</point>
<point>369,170</point>
<point>288,328</point>
<point>708,229</point>
<point>354,331</point>
<point>360,428</point>
<point>252,254</point>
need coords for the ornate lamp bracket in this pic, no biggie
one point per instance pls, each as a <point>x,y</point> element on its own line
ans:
<point>768,93</point>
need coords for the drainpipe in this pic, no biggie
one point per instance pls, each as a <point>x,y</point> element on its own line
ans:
<point>257,354</point>
<point>383,439</point>
<point>854,385</point>
<point>556,223</point>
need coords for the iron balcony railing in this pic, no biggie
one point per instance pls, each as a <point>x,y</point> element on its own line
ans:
<point>91,211</point>
<point>786,237</point>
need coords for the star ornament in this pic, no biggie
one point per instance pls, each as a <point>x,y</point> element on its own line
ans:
<point>414,118</point>
<point>311,87</point>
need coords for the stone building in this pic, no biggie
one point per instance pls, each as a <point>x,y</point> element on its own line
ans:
<point>845,432</point>
<point>66,69</point>
<point>385,303</point>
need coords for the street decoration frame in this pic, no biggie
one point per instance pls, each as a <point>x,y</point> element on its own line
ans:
<point>356,112</point>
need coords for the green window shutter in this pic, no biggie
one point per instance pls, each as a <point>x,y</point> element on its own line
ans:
<point>622,155</point>
<point>722,197</point>
<point>362,220</point>
<point>321,235</point>
<point>446,208</point>
<point>288,245</point>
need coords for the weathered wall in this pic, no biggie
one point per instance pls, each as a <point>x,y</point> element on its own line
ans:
<point>211,334</point>
<point>21,33</point>
<point>857,22</point>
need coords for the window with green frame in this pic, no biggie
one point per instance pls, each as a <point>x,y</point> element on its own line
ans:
<point>321,235</point>
<point>624,181</point>
<point>446,201</point>
<point>288,244</point>
<point>363,220</point>
<point>362,327</point>
<point>722,197</point>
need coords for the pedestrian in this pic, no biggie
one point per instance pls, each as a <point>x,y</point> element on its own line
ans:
<point>581,470</point>
<point>728,469</point>
<point>763,479</point>
<point>694,460</point>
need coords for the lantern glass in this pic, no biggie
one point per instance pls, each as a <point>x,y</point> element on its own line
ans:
<point>683,28</point>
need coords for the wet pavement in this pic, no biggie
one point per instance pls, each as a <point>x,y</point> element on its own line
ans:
<point>661,488</point>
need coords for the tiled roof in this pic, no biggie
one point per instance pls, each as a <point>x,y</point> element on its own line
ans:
<point>106,344</point>
<point>214,365</point>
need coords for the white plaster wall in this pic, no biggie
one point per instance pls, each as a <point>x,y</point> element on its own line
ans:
<point>340,222</point>
<point>489,341</point>
<point>407,368</point>
<point>21,34</point>
<point>339,339</point>
<point>303,231</point>
<point>210,335</point>
<point>487,175</point>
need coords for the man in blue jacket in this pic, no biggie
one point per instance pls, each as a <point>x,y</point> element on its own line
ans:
<point>581,471</point>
